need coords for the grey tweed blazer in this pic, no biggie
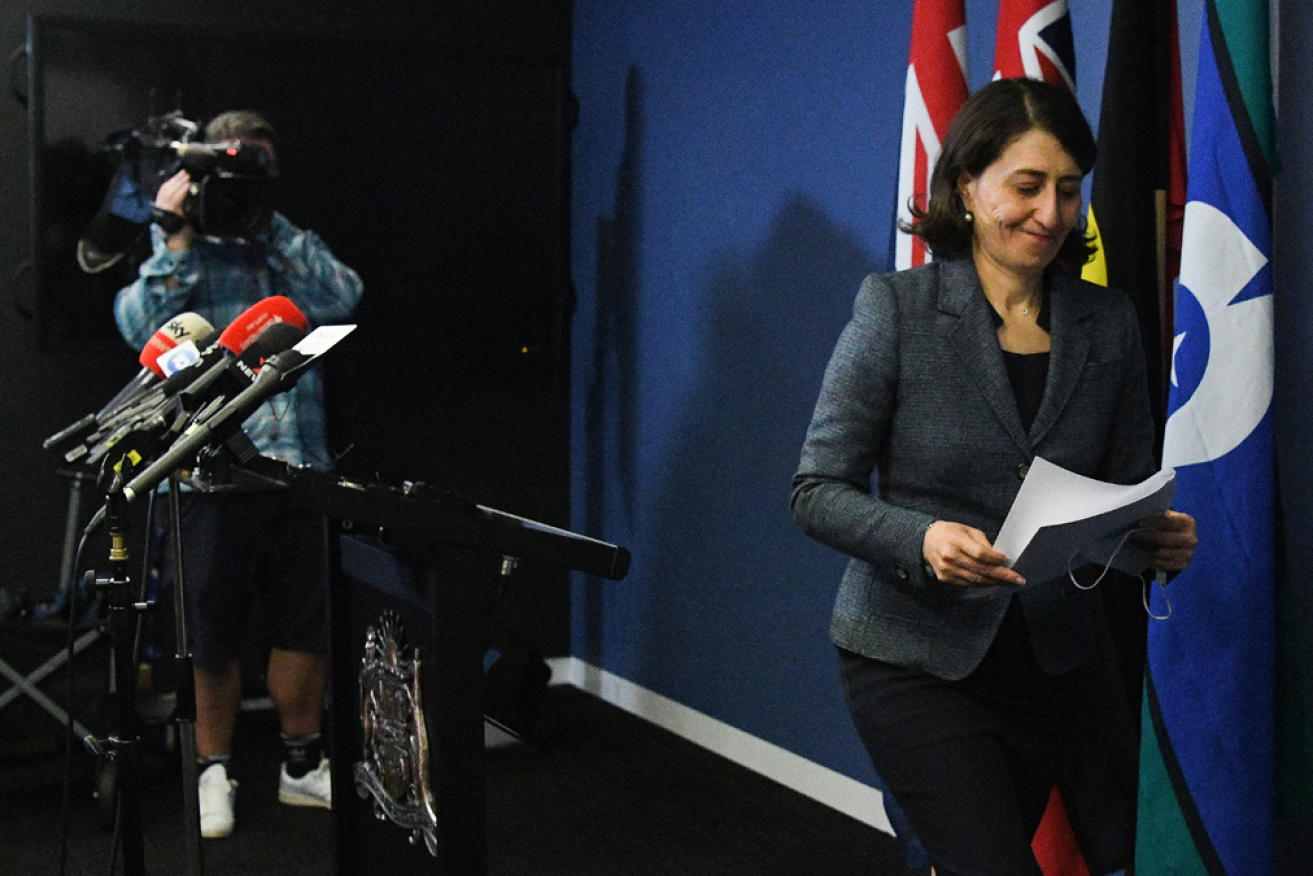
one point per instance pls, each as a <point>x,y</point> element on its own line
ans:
<point>917,422</point>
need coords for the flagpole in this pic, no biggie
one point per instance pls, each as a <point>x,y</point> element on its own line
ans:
<point>1161,380</point>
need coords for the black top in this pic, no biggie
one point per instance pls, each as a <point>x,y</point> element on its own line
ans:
<point>1028,372</point>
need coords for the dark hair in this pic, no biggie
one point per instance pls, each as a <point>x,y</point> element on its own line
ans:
<point>983,128</point>
<point>238,125</point>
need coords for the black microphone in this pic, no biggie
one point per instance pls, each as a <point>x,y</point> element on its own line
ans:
<point>157,425</point>
<point>267,327</point>
<point>276,375</point>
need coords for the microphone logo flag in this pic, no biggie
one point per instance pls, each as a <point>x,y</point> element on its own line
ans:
<point>181,356</point>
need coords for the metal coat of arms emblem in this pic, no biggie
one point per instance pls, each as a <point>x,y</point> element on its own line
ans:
<point>395,769</point>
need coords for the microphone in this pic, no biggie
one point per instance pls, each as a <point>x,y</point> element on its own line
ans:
<point>156,424</point>
<point>277,374</point>
<point>244,329</point>
<point>233,156</point>
<point>269,326</point>
<point>183,329</point>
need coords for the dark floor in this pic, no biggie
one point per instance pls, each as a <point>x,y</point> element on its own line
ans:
<point>606,794</point>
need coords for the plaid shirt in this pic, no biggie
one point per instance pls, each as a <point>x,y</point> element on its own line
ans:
<point>219,281</point>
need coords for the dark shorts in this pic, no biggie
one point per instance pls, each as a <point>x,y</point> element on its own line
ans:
<point>243,550</point>
<point>971,763</point>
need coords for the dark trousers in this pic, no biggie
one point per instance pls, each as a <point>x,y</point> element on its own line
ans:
<point>971,762</point>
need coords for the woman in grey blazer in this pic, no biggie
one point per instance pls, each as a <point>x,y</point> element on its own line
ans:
<point>945,385</point>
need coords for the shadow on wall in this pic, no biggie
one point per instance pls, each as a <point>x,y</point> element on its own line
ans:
<point>734,584</point>
<point>738,599</point>
<point>610,406</point>
<point>618,286</point>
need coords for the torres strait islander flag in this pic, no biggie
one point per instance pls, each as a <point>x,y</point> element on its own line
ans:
<point>1207,760</point>
<point>936,87</point>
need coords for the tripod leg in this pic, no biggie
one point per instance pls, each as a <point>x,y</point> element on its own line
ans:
<point>72,526</point>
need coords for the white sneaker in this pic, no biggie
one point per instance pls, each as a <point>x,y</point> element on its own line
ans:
<point>217,793</point>
<point>315,788</point>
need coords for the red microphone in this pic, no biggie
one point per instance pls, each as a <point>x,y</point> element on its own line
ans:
<point>197,374</point>
<point>177,331</point>
<point>252,323</point>
<point>183,327</point>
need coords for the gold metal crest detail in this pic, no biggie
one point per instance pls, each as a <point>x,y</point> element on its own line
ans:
<point>395,769</point>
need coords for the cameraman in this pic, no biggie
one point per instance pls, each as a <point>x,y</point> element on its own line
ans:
<point>244,547</point>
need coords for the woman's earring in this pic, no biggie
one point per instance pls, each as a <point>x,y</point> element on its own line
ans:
<point>968,216</point>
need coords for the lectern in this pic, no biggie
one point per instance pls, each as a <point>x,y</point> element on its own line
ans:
<point>409,627</point>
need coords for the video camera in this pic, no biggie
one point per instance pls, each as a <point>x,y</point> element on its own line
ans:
<point>232,182</point>
<point>232,192</point>
<point>231,198</point>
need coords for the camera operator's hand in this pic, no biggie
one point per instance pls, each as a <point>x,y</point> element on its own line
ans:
<point>170,197</point>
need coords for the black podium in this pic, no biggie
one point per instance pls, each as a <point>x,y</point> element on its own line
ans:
<point>409,628</point>
<point>409,631</point>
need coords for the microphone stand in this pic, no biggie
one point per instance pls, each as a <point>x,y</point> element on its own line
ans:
<point>185,708</point>
<point>123,748</point>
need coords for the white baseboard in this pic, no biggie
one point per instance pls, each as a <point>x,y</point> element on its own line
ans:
<point>849,796</point>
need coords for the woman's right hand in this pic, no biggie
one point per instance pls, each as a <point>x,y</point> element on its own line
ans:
<point>961,555</point>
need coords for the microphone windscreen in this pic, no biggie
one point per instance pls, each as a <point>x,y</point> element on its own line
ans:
<point>258,317</point>
<point>276,338</point>
<point>184,326</point>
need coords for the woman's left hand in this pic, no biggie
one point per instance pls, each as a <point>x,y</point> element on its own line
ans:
<point>1172,538</point>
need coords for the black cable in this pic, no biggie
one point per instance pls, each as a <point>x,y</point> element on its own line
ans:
<point>71,736</point>
<point>118,835</point>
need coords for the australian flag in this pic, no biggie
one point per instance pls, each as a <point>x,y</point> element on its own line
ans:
<point>936,87</point>
<point>1034,40</point>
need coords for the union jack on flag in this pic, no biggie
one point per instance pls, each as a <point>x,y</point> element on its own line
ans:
<point>936,88</point>
<point>1034,39</point>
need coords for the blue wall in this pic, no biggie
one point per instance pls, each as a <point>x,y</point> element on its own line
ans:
<point>734,179</point>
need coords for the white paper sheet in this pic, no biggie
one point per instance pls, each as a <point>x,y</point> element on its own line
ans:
<point>1061,520</point>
